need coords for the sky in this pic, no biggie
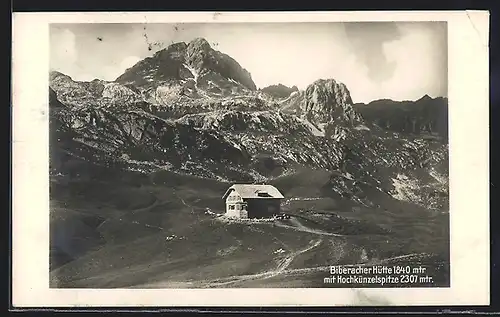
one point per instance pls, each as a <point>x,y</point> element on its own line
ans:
<point>375,60</point>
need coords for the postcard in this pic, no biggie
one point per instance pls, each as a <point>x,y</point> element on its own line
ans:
<point>250,159</point>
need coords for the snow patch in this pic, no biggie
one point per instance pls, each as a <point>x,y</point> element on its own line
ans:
<point>234,81</point>
<point>349,176</point>
<point>441,179</point>
<point>194,73</point>
<point>279,251</point>
<point>404,188</point>
<point>362,127</point>
<point>172,237</point>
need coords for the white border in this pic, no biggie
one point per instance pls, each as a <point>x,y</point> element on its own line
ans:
<point>469,169</point>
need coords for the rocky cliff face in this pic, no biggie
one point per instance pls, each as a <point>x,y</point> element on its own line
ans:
<point>326,105</point>
<point>327,101</point>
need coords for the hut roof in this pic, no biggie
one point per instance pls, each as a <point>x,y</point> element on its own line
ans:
<point>254,191</point>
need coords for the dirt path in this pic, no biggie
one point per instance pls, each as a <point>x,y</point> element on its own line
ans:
<point>377,262</point>
<point>283,264</point>
<point>183,201</point>
<point>297,225</point>
<point>281,269</point>
<point>155,203</point>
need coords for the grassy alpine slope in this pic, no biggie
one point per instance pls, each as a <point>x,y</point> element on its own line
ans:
<point>156,232</point>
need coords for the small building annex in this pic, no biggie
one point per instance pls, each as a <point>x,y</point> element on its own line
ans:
<point>252,201</point>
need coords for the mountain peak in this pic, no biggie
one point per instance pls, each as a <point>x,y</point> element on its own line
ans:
<point>200,43</point>
<point>209,68</point>
<point>172,49</point>
<point>54,74</point>
<point>327,100</point>
<point>426,97</point>
<point>279,90</point>
<point>177,47</point>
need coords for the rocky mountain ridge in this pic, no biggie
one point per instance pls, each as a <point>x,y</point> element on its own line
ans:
<point>279,91</point>
<point>229,137</point>
<point>425,115</point>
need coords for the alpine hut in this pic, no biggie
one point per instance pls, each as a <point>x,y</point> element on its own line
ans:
<point>252,201</point>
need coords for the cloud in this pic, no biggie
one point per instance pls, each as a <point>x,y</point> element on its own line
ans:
<point>399,61</point>
<point>420,66</point>
<point>416,60</point>
<point>304,54</point>
<point>367,40</point>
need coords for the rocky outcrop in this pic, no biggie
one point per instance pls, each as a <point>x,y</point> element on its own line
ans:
<point>323,101</point>
<point>328,100</point>
<point>244,121</point>
<point>54,103</point>
<point>97,92</point>
<point>72,92</point>
<point>326,106</point>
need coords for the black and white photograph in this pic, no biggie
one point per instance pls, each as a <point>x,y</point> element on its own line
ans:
<point>255,155</point>
<point>247,155</point>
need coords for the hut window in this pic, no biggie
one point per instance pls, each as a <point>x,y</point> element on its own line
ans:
<point>231,207</point>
